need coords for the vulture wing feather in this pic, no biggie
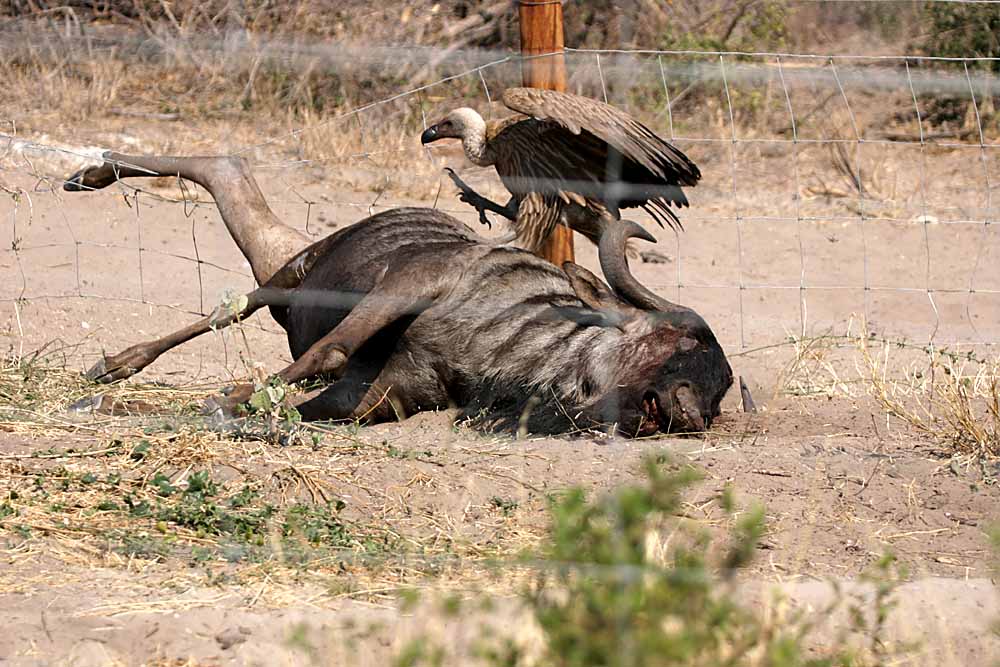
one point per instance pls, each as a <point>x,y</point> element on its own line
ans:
<point>631,138</point>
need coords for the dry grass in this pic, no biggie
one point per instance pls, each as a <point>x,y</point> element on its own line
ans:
<point>175,488</point>
<point>70,485</point>
<point>80,480</point>
<point>950,395</point>
<point>815,368</point>
<point>283,66</point>
<point>258,71</point>
<point>37,388</point>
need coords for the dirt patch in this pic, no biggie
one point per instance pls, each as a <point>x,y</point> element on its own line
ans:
<point>147,621</point>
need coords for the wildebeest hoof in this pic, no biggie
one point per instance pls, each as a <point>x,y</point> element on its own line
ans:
<point>123,365</point>
<point>92,178</point>
<point>216,407</point>
<point>99,404</point>
<point>106,371</point>
<point>747,399</point>
<point>87,404</point>
<point>228,405</point>
<point>240,393</point>
<point>221,409</point>
<point>97,371</point>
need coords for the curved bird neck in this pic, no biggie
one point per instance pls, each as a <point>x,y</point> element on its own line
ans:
<point>475,143</point>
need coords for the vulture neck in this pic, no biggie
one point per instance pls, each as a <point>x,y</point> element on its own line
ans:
<point>474,142</point>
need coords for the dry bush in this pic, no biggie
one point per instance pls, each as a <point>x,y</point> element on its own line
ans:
<point>217,58</point>
<point>279,67</point>
<point>953,397</point>
<point>222,57</point>
<point>238,72</point>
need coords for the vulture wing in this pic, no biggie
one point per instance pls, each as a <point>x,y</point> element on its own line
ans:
<point>666,164</point>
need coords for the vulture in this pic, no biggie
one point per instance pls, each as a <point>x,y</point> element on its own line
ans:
<point>568,159</point>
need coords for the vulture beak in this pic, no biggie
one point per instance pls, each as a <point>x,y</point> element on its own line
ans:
<point>429,135</point>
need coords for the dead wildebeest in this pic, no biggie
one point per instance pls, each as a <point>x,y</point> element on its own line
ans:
<point>410,310</point>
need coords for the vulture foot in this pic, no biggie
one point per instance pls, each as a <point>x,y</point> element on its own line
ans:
<point>479,202</point>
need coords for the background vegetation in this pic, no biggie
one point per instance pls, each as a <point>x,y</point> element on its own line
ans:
<point>311,58</point>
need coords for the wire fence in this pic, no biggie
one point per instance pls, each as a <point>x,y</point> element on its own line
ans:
<point>829,191</point>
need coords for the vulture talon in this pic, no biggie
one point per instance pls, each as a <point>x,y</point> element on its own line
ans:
<point>482,215</point>
<point>469,196</point>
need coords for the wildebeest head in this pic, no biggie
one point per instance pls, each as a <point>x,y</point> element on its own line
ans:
<point>672,373</point>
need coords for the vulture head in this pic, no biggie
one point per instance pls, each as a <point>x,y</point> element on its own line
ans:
<point>674,374</point>
<point>464,123</point>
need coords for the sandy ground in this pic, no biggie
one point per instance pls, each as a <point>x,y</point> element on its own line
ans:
<point>221,626</point>
<point>841,481</point>
<point>837,497</point>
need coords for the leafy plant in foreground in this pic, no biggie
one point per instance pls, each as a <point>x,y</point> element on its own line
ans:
<point>607,597</point>
<point>627,581</point>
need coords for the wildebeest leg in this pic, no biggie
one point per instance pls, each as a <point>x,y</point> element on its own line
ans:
<point>266,242</point>
<point>481,203</point>
<point>132,360</point>
<point>397,294</point>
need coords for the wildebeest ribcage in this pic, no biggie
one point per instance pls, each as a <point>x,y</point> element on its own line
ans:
<point>410,310</point>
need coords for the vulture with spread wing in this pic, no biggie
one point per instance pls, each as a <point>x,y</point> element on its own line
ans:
<point>568,159</point>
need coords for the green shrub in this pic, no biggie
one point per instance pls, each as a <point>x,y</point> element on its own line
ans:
<point>963,31</point>
<point>626,581</point>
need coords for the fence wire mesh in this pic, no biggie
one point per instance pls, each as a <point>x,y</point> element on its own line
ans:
<point>827,190</point>
<point>835,188</point>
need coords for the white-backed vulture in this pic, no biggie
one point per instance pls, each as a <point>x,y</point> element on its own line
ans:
<point>570,159</point>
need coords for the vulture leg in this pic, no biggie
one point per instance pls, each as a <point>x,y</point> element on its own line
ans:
<point>481,203</point>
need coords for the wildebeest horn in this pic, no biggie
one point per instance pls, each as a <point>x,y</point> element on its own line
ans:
<point>611,252</point>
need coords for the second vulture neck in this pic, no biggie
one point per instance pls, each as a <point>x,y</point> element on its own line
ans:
<point>474,141</point>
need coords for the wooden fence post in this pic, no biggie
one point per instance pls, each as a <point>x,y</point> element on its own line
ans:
<point>542,32</point>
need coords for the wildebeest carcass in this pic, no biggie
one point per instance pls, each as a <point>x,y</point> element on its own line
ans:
<point>410,310</point>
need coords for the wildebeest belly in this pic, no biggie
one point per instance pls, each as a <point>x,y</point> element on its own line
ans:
<point>351,266</point>
<point>490,303</point>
